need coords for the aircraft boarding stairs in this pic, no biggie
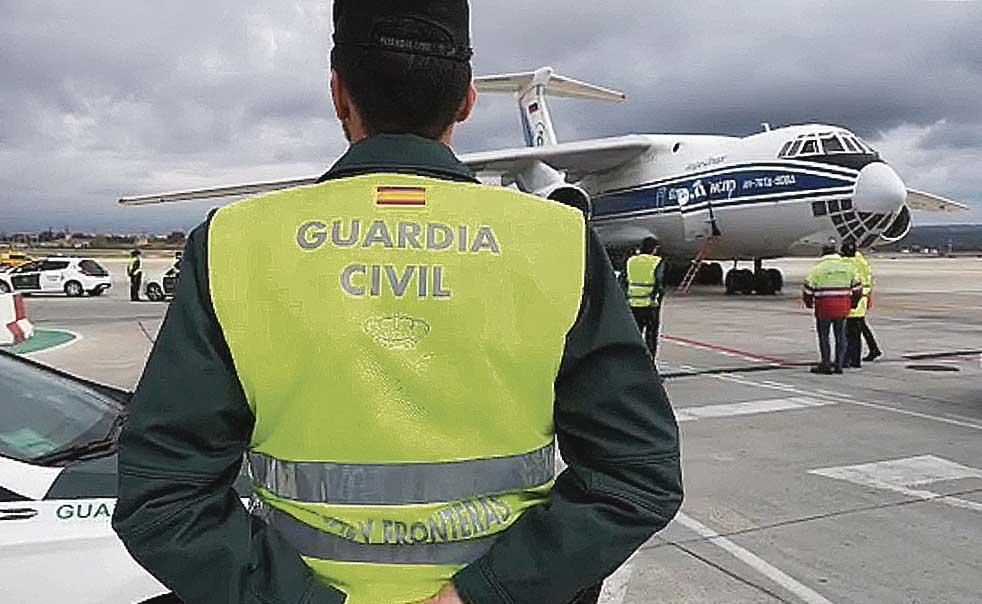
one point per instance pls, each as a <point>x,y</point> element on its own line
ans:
<point>707,248</point>
<point>697,263</point>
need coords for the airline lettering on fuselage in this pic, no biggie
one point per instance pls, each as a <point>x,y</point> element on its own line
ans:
<point>722,188</point>
<point>705,163</point>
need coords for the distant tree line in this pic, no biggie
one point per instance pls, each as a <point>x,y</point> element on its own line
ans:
<point>52,238</point>
<point>944,238</point>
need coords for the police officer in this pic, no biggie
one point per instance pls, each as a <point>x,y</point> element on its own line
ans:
<point>857,327</point>
<point>135,273</point>
<point>645,291</point>
<point>833,289</point>
<point>394,350</point>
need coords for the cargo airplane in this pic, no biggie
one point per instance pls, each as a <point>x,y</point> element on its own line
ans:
<point>779,192</point>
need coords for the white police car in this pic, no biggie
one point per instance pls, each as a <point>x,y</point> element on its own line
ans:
<point>58,491</point>
<point>74,277</point>
<point>163,287</point>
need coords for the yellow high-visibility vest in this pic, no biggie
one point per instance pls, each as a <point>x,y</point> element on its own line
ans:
<point>398,339</point>
<point>865,273</point>
<point>642,280</point>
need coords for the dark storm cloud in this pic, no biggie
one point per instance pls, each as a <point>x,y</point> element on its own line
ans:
<point>108,97</point>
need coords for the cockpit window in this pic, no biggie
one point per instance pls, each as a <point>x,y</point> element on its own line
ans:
<point>832,145</point>
<point>865,147</point>
<point>825,143</point>
<point>810,147</point>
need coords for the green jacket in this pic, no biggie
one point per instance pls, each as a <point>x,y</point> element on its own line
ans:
<point>190,425</point>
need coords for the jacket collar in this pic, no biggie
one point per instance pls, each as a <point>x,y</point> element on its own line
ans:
<point>400,154</point>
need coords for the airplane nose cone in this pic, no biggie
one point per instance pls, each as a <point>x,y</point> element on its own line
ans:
<point>879,190</point>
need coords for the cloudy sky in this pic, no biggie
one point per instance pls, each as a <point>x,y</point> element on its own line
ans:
<point>108,97</point>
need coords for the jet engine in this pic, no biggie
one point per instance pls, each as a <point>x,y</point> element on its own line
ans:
<point>545,181</point>
<point>899,228</point>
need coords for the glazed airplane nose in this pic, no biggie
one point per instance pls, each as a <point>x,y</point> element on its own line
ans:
<point>879,190</point>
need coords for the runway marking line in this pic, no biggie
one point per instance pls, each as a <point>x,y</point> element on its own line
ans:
<point>748,408</point>
<point>725,351</point>
<point>881,407</point>
<point>900,475</point>
<point>805,593</point>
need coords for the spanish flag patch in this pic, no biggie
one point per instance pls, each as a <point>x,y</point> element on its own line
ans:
<point>401,196</point>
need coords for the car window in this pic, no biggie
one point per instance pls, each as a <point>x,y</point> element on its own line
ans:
<point>43,413</point>
<point>92,268</point>
<point>30,267</point>
<point>54,265</point>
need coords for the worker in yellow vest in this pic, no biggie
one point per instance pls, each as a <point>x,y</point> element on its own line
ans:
<point>833,289</point>
<point>645,291</point>
<point>395,351</point>
<point>857,327</point>
<point>134,272</point>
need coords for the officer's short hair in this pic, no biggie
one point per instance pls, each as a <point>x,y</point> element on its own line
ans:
<point>400,93</point>
<point>649,245</point>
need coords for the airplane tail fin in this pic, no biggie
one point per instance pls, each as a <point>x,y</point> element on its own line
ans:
<point>531,89</point>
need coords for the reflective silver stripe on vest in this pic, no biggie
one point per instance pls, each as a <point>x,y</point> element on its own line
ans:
<point>313,543</point>
<point>404,483</point>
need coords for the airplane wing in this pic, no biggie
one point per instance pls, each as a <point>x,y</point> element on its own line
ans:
<point>218,192</point>
<point>577,159</point>
<point>926,202</point>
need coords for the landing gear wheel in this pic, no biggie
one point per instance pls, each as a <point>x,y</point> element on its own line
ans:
<point>714,271</point>
<point>739,281</point>
<point>777,279</point>
<point>747,281</point>
<point>73,289</point>
<point>763,284</point>
<point>155,293</point>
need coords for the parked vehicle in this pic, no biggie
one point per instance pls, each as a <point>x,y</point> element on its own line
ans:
<point>58,467</point>
<point>11,260</point>
<point>71,276</point>
<point>163,287</point>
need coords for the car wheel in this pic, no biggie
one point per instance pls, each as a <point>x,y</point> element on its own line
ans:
<point>73,289</point>
<point>95,293</point>
<point>155,293</point>
<point>4,288</point>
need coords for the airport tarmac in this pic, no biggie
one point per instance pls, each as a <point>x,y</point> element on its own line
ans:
<point>861,488</point>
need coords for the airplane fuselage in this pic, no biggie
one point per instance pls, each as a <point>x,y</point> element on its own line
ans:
<point>780,192</point>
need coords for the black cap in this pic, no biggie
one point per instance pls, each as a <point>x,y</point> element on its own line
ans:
<point>435,28</point>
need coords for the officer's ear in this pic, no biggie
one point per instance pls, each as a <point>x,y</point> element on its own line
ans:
<point>340,97</point>
<point>467,107</point>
